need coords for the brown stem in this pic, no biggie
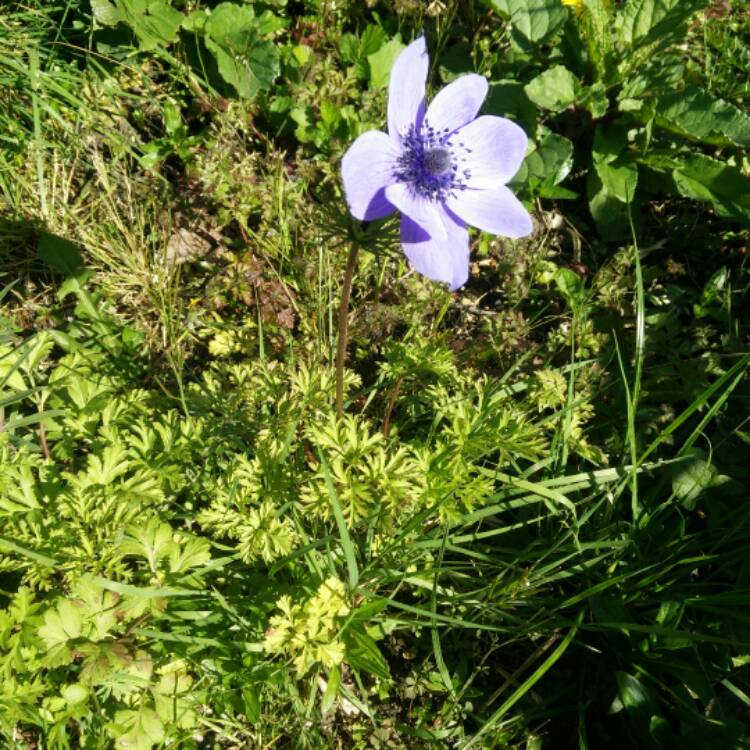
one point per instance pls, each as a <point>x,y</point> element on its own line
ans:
<point>43,440</point>
<point>346,290</point>
<point>389,408</point>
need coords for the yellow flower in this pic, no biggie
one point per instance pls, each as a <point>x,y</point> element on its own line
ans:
<point>577,5</point>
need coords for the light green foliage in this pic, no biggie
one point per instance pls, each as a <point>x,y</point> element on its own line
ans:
<point>556,89</point>
<point>247,508</point>
<point>541,476</point>
<point>308,633</point>
<point>381,62</point>
<point>367,476</point>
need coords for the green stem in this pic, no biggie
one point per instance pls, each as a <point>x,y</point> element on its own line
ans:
<point>351,263</point>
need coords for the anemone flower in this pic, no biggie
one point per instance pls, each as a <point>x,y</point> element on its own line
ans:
<point>441,166</point>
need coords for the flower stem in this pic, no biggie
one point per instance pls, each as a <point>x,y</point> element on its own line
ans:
<point>346,290</point>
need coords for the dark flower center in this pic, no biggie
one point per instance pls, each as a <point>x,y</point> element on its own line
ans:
<point>437,160</point>
<point>432,162</point>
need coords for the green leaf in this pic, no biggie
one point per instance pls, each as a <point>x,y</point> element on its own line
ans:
<point>508,99</point>
<point>106,13</point>
<point>155,23</point>
<point>381,62</point>
<point>362,652</point>
<point>545,166</point>
<point>556,89</point>
<point>61,624</point>
<point>75,694</point>
<point>245,61</point>
<point>704,179</point>
<point>159,26</point>
<point>595,100</point>
<point>619,178</point>
<point>690,478</point>
<point>190,552</point>
<point>153,540</point>
<point>698,114</point>
<point>571,287</point>
<point>536,20</point>
<point>137,730</point>
<point>637,700</point>
<point>251,701</point>
<point>608,211</point>
<point>59,253</point>
<point>646,21</point>
<point>332,690</point>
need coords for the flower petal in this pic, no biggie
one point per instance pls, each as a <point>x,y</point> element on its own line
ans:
<point>457,104</point>
<point>406,88</point>
<point>444,259</point>
<point>366,169</point>
<point>420,210</point>
<point>496,210</point>
<point>496,148</point>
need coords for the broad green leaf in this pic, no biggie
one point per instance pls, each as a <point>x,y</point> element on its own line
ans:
<point>170,696</point>
<point>637,699</point>
<point>615,167</point>
<point>97,607</point>
<point>595,100</point>
<point>251,702</point>
<point>245,61</point>
<point>608,211</point>
<point>331,691</point>
<point>508,99</point>
<point>189,552</point>
<point>381,62</point>
<point>101,659</point>
<point>61,624</point>
<point>571,287</point>
<point>196,21</point>
<point>154,22</point>
<point>691,477</point>
<point>536,20</point>
<point>631,693</point>
<point>59,253</point>
<point>137,730</point>
<point>109,466</point>
<point>556,89</point>
<point>619,178</point>
<point>106,13</point>
<point>645,21</point>
<point>547,164</point>
<point>701,178</point>
<point>159,26</point>
<point>362,652</point>
<point>699,115</point>
<point>75,694</point>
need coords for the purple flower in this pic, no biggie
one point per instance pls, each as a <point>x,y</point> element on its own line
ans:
<point>441,166</point>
